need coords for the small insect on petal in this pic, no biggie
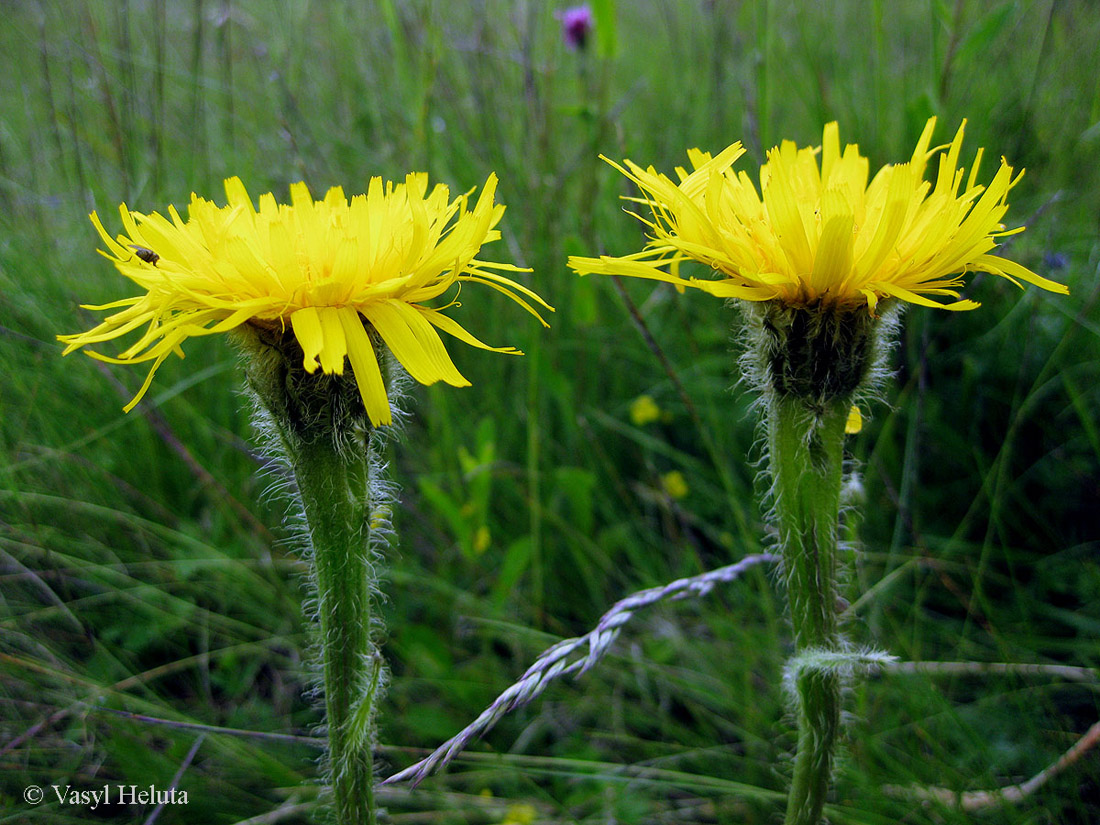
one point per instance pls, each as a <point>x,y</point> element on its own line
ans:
<point>147,255</point>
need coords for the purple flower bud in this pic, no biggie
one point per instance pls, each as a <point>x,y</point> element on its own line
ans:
<point>576,23</point>
<point>1056,260</point>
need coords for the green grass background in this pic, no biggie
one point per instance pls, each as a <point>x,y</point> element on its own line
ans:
<point>143,570</point>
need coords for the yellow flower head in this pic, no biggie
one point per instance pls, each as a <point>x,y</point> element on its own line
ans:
<point>644,410</point>
<point>330,269</point>
<point>817,233</point>
<point>675,484</point>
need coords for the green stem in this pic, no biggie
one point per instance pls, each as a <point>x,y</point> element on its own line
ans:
<point>335,489</point>
<point>806,450</point>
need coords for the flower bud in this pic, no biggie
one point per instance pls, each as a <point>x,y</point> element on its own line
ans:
<point>818,353</point>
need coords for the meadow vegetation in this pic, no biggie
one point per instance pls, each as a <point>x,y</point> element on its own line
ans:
<point>151,619</point>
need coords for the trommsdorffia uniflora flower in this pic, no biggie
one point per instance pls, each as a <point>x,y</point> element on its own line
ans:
<point>336,273</point>
<point>821,257</point>
<point>817,233</point>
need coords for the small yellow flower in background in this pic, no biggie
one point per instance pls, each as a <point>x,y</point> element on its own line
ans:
<point>644,410</point>
<point>520,814</point>
<point>855,421</point>
<point>482,539</point>
<point>817,233</point>
<point>675,485</point>
<point>330,270</point>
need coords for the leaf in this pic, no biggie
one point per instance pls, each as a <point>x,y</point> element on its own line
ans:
<point>576,484</point>
<point>517,558</point>
<point>443,504</point>
<point>607,40</point>
<point>987,30</point>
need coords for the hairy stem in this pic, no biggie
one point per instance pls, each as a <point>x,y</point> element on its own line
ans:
<point>317,423</point>
<point>335,489</point>
<point>806,449</point>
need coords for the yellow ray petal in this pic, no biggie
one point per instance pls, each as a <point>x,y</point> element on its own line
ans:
<point>855,421</point>
<point>452,327</point>
<point>1005,267</point>
<point>306,324</point>
<point>333,328</point>
<point>364,363</point>
<point>414,343</point>
<point>896,291</point>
